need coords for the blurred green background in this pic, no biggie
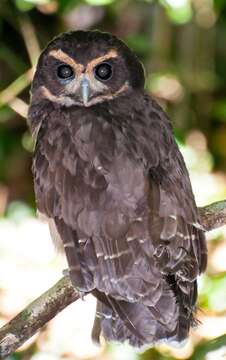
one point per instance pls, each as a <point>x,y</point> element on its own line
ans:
<point>182,44</point>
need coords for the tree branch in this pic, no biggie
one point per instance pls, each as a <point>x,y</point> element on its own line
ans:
<point>35,315</point>
<point>213,216</point>
<point>62,294</point>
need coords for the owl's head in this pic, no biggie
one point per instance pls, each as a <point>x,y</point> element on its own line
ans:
<point>86,67</point>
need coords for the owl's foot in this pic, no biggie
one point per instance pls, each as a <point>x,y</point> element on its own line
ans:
<point>188,271</point>
<point>81,293</point>
<point>162,256</point>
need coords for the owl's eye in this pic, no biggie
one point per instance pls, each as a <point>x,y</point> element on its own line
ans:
<point>103,71</point>
<point>65,72</point>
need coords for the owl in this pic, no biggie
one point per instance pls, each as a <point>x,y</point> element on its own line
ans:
<point>111,181</point>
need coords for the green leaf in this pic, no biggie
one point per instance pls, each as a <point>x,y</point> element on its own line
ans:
<point>26,5</point>
<point>179,11</point>
<point>206,347</point>
<point>99,2</point>
<point>213,292</point>
<point>67,5</point>
<point>140,43</point>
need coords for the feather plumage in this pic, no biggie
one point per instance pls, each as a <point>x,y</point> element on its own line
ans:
<point>112,179</point>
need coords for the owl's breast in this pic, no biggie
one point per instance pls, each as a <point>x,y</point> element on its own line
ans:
<point>84,171</point>
<point>108,165</point>
<point>109,183</point>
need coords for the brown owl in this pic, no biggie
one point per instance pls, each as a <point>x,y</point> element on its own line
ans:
<point>113,184</point>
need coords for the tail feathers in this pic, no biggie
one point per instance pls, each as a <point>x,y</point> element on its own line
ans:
<point>115,329</point>
<point>139,324</point>
<point>186,293</point>
<point>96,330</point>
<point>134,322</point>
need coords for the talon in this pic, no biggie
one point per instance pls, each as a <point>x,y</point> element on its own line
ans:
<point>162,251</point>
<point>80,293</point>
<point>159,251</point>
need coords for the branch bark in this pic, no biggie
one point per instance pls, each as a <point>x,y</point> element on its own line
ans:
<point>62,294</point>
<point>36,315</point>
<point>213,216</point>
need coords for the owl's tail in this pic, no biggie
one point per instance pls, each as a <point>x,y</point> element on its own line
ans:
<point>114,321</point>
<point>140,324</point>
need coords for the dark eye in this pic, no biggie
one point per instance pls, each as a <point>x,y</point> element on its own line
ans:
<point>103,71</point>
<point>65,71</point>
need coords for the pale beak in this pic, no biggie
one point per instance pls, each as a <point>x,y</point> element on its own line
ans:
<point>85,90</point>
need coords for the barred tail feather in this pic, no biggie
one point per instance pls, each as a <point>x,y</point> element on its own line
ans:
<point>140,324</point>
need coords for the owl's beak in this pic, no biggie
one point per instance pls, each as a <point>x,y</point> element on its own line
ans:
<point>85,90</point>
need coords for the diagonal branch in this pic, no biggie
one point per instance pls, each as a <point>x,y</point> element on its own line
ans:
<point>15,88</point>
<point>62,294</point>
<point>213,216</point>
<point>36,315</point>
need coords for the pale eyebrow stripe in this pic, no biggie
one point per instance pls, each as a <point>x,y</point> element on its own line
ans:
<point>111,54</point>
<point>65,58</point>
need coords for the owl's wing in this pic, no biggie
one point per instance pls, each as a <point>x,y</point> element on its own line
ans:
<point>179,244</point>
<point>177,235</point>
<point>57,189</point>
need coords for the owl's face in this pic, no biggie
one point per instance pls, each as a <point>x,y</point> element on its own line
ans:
<point>84,68</point>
